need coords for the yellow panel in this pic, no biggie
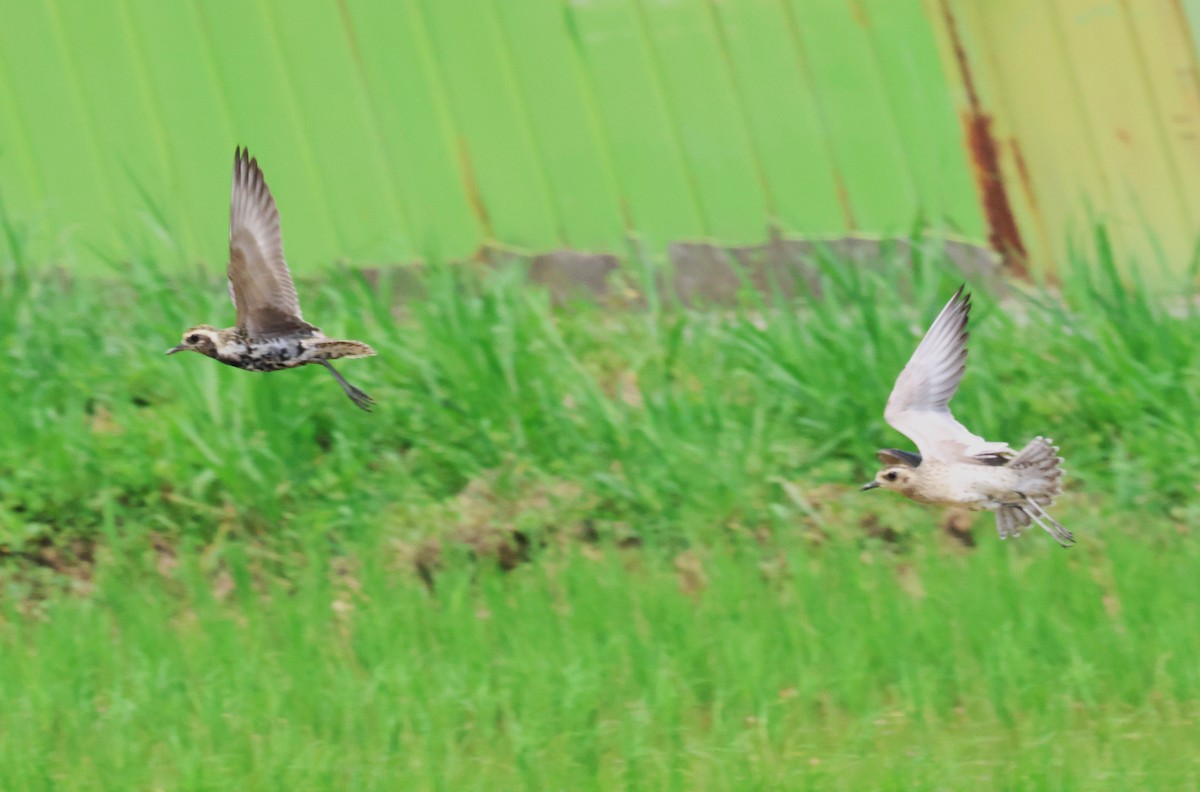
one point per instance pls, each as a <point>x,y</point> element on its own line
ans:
<point>1116,92</point>
<point>1164,42</point>
<point>1095,111</point>
<point>965,40</point>
<point>1053,136</point>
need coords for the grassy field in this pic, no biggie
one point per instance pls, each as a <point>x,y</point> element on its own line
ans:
<point>597,547</point>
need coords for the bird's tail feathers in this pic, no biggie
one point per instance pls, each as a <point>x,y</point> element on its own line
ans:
<point>332,349</point>
<point>1010,519</point>
<point>1041,471</point>
<point>1041,482</point>
<point>1048,523</point>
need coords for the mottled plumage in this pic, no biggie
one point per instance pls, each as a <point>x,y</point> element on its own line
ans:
<point>271,333</point>
<point>954,466</point>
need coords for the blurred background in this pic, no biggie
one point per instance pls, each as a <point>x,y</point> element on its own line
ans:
<point>392,132</point>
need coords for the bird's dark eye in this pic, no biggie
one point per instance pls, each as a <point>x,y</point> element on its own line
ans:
<point>890,476</point>
<point>194,338</point>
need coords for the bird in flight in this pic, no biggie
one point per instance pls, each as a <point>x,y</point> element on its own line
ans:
<point>954,466</point>
<point>270,334</point>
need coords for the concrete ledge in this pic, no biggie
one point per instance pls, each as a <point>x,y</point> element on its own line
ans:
<point>707,273</point>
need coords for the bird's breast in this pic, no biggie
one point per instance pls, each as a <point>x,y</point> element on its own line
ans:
<point>972,486</point>
<point>269,355</point>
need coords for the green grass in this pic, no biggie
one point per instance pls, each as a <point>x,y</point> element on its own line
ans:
<point>783,668</point>
<point>288,593</point>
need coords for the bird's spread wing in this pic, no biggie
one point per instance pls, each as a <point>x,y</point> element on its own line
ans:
<point>894,456</point>
<point>918,407</point>
<point>259,282</point>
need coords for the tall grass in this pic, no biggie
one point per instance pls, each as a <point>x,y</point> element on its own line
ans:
<point>672,420</point>
<point>289,593</point>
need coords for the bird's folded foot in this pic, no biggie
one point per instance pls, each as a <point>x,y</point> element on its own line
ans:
<point>361,399</point>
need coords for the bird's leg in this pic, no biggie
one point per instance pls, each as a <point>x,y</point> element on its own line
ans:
<point>361,399</point>
<point>1048,523</point>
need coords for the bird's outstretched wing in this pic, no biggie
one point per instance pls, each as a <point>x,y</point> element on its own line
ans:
<point>919,405</point>
<point>260,284</point>
<point>894,456</point>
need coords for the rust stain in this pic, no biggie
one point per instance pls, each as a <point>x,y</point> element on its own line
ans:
<point>1003,232</point>
<point>626,213</point>
<point>1124,136</point>
<point>1023,174</point>
<point>843,196</point>
<point>859,12</point>
<point>471,187</point>
<point>351,36</point>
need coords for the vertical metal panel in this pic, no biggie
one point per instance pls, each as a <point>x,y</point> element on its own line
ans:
<point>16,149</point>
<point>865,143</point>
<point>777,100</point>
<point>1142,190</point>
<point>1173,83</point>
<point>418,131</point>
<point>710,128</point>
<point>61,144</point>
<point>563,124</point>
<point>270,118</point>
<point>341,142</point>
<point>1093,105</point>
<point>495,142</point>
<point>192,121</point>
<point>102,63</point>
<point>915,89</point>
<point>657,194</point>
<point>1187,13</point>
<point>999,108</point>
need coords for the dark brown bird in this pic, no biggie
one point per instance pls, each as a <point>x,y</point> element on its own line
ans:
<point>270,334</point>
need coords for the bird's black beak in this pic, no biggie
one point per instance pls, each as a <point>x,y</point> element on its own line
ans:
<point>175,349</point>
<point>869,485</point>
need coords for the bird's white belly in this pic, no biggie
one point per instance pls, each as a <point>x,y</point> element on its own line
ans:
<point>972,486</point>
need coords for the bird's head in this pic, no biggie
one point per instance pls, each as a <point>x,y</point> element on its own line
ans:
<point>893,477</point>
<point>201,338</point>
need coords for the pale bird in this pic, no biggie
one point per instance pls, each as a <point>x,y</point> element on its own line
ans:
<point>954,466</point>
<point>270,334</point>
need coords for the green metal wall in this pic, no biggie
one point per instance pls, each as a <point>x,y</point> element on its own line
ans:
<point>392,130</point>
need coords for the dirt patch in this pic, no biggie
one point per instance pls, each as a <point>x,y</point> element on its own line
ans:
<point>501,516</point>
<point>957,525</point>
